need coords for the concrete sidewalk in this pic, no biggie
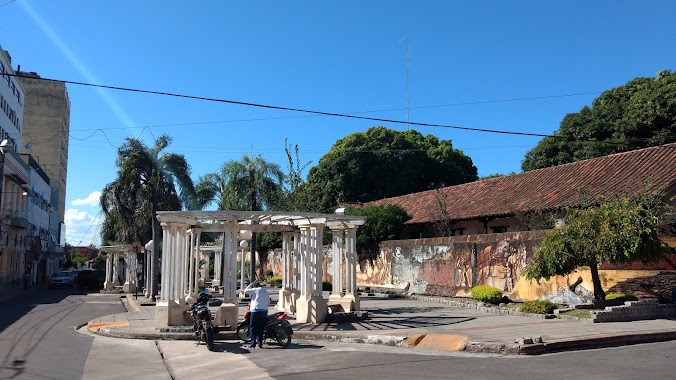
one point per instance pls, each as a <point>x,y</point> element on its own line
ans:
<point>426,324</point>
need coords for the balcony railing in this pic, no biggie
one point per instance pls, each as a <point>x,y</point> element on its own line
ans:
<point>16,219</point>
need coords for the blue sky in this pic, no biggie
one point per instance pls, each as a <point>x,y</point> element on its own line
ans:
<point>516,66</point>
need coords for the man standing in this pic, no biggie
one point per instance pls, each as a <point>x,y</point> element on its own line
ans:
<point>260,302</point>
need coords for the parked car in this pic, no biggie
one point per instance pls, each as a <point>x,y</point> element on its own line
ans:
<point>90,280</point>
<point>61,279</point>
<point>74,273</point>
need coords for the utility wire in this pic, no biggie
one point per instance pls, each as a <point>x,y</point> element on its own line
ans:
<point>281,108</point>
<point>312,112</point>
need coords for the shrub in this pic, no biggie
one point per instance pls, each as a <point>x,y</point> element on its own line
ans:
<point>538,307</point>
<point>275,281</point>
<point>487,293</point>
<point>269,273</point>
<point>327,286</point>
<point>620,297</point>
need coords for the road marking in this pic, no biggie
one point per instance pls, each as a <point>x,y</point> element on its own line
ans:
<point>94,327</point>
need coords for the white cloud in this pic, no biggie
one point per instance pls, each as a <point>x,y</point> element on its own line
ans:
<point>91,200</point>
<point>81,227</point>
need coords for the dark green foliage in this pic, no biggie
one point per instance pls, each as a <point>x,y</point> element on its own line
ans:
<point>268,241</point>
<point>381,223</point>
<point>381,163</point>
<point>100,263</point>
<point>620,297</point>
<point>147,182</point>
<point>538,307</point>
<point>327,286</point>
<point>247,184</point>
<point>268,273</point>
<point>639,114</point>
<point>485,293</point>
<point>618,230</point>
<point>275,281</point>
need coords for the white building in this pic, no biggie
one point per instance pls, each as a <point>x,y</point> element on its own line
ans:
<point>40,209</point>
<point>14,178</point>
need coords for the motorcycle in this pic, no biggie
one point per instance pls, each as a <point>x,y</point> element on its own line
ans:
<point>203,326</point>
<point>276,327</point>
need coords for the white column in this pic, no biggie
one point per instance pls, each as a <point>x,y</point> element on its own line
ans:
<point>337,265</point>
<point>217,269</point>
<point>185,260</point>
<point>286,263</point>
<point>338,245</point>
<point>313,263</point>
<point>295,282</point>
<point>351,298</point>
<point>116,268</point>
<point>108,284</point>
<point>164,263</point>
<point>303,272</point>
<point>242,269</point>
<point>229,273</point>
<point>207,259</point>
<point>318,234</point>
<point>191,265</point>
<point>227,313</point>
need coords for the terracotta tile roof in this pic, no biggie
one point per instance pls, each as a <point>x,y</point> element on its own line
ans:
<point>548,188</point>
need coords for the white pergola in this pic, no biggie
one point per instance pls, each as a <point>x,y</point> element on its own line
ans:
<point>303,254</point>
<point>113,267</point>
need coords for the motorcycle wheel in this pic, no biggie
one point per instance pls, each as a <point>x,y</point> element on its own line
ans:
<point>209,338</point>
<point>283,338</point>
<point>243,332</point>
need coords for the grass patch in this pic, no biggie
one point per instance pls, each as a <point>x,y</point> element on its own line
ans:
<point>579,313</point>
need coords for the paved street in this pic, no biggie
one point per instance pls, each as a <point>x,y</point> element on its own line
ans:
<point>38,341</point>
<point>323,360</point>
<point>37,335</point>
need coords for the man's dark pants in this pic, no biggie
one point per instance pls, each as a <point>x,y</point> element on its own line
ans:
<point>257,327</point>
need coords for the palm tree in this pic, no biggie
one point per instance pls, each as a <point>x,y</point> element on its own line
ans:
<point>149,176</point>
<point>250,184</point>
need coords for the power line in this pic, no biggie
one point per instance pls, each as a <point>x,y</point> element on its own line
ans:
<point>282,108</point>
<point>317,113</point>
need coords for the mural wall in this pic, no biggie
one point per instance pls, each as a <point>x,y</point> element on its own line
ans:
<point>451,266</point>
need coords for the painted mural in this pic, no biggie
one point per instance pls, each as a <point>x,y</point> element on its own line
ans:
<point>452,266</point>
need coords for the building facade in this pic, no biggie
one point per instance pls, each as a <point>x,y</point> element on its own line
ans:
<point>40,208</point>
<point>14,178</point>
<point>45,131</point>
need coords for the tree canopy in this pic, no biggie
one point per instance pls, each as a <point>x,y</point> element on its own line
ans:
<point>614,231</point>
<point>639,114</point>
<point>381,163</point>
<point>145,183</point>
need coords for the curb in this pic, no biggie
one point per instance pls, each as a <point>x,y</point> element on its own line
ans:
<point>127,334</point>
<point>385,340</point>
<point>403,341</point>
<point>570,345</point>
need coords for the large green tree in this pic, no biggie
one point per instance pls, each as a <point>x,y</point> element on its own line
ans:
<point>381,163</point>
<point>248,184</point>
<point>639,114</point>
<point>149,175</point>
<point>125,211</point>
<point>618,230</point>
